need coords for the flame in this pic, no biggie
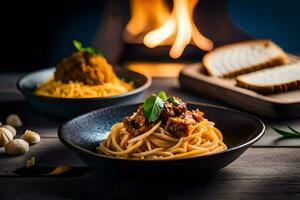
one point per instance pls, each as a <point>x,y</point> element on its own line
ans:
<point>146,16</point>
<point>176,28</point>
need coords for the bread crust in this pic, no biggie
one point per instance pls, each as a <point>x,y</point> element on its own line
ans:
<point>279,60</point>
<point>271,89</point>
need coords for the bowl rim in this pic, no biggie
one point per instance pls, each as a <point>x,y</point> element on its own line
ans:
<point>137,90</point>
<point>76,147</point>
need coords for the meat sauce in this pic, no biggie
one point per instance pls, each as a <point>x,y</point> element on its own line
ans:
<point>175,117</point>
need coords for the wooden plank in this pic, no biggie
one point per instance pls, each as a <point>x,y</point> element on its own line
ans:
<point>260,173</point>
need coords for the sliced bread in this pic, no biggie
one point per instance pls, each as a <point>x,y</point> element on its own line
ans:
<point>243,57</point>
<point>278,79</point>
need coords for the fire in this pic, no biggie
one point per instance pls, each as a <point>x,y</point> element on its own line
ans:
<point>146,15</point>
<point>158,26</point>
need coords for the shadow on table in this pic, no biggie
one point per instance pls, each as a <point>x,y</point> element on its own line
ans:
<point>94,186</point>
<point>223,184</point>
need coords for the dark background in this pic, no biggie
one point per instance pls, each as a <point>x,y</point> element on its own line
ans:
<point>37,34</point>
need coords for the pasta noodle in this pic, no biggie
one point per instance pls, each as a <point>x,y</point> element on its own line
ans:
<point>202,139</point>
<point>74,89</point>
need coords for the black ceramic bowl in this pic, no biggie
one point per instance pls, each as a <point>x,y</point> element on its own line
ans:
<point>82,134</point>
<point>70,107</point>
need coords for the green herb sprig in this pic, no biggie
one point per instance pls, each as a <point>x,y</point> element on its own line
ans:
<point>154,105</point>
<point>91,50</point>
<point>291,132</point>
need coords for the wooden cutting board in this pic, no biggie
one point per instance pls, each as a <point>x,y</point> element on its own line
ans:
<point>283,105</point>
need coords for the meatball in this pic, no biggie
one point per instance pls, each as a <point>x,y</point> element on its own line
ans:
<point>137,123</point>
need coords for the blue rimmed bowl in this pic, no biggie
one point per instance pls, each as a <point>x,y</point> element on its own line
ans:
<point>82,135</point>
<point>70,107</point>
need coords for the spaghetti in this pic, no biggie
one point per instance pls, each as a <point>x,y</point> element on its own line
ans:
<point>157,143</point>
<point>74,89</point>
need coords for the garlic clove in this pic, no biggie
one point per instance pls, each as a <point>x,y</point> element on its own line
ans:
<point>5,136</point>
<point>16,147</point>
<point>11,129</point>
<point>31,137</point>
<point>30,162</point>
<point>14,120</point>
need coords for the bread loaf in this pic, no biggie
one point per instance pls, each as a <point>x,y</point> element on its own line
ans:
<point>243,57</point>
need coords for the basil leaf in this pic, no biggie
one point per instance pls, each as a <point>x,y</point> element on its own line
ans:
<point>77,44</point>
<point>292,133</point>
<point>153,106</point>
<point>91,50</point>
<point>162,95</point>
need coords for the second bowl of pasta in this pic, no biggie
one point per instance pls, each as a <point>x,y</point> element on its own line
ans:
<point>188,139</point>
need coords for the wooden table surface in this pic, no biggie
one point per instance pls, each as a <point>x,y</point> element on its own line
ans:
<point>268,170</point>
